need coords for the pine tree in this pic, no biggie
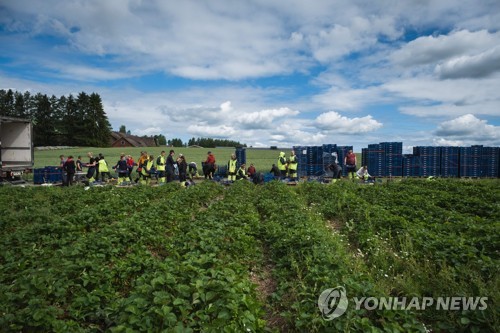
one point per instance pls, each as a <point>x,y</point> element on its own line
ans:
<point>102,125</point>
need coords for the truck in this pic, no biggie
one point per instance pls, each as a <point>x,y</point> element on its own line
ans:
<point>16,148</point>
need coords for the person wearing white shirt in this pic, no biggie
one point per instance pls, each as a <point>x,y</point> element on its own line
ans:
<point>362,173</point>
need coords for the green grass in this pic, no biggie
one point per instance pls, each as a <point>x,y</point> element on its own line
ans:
<point>262,159</point>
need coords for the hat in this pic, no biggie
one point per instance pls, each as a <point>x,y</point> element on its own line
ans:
<point>180,155</point>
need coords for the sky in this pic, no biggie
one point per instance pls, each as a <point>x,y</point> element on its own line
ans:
<point>268,72</point>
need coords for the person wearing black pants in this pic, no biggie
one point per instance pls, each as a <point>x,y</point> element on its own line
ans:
<point>170,168</point>
<point>70,169</point>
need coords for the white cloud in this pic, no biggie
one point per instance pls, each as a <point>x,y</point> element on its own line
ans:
<point>427,97</point>
<point>221,131</point>
<point>476,66</point>
<point>469,128</point>
<point>263,119</point>
<point>148,131</point>
<point>434,49</point>
<point>449,143</point>
<point>333,121</point>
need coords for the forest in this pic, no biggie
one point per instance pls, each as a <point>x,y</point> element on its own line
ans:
<point>60,121</point>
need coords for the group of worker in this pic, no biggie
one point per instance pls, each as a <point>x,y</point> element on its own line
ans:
<point>284,168</point>
<point>165,167</point>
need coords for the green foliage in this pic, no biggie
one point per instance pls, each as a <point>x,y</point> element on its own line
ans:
<point>423,239</point>
<point>198,259</point>
<point>212,143</point>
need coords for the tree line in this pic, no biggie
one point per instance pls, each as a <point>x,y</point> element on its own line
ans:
<point>57,121</point>
<point>212,143</point>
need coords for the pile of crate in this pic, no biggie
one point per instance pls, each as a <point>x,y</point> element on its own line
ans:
<point>49,174</point>
<point>474,161</point>
<point>314,160</point>
<point>384,159</point>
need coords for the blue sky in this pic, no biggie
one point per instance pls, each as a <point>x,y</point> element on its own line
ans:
<point>268,72</point>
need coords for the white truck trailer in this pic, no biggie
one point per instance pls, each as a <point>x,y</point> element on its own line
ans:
<point>16,148</point>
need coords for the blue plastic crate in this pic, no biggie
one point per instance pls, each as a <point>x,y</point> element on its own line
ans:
<point>241,155</point>
<point>53,174</point>
<point>39,176</point>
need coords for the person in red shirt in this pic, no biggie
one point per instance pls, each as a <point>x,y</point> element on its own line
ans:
<point>209,166</point>
<point>130,165</point>
<point>350,164</point>
<point>251,171</point>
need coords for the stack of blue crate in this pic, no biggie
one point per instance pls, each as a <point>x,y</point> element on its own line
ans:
<point>450,159</point>
<point>490,162</point>
<point>393,158</point>
<point>53,174</point>
<point>40,176</point>
<point>430,160</point>
<point>364,156</point>
<point>301,153</point>
<point>315,158</point>
<point>471,161</point>
<point>241,156</point>
<point>376,161</point>
<point>411,165</point>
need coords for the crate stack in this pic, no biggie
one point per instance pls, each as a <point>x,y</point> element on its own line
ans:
<point>471,160</point>
<point>301,153</point>
<point>411,165</point>
<point>310,159</point>
<point>330,155</point>
<point>241,156</point>
<point>430,160</point>
<point>393,158</point>
<point>450,159</point>
<point>315,158</point>
<point>364,156</point>
<point>376,161</point>
<point>490,162</point>
<point>49,174</point>
<point>39,176</point>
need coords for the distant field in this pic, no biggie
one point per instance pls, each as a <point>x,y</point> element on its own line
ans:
<point>263,159</point>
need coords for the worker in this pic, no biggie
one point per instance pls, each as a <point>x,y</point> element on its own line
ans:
<point>91,165</point>
<point>122,169</point>
<point>350,164</point>
<point>251,170</point>
<point>231,168</point>
<point>147,169</point>
<point>171,165</point>
<point>282,165</point>
<point>209,166</point>
<point>140,162</point>
<point>335,168</point>
<point>363,174</point>
<point>193,170</point>
<point>160,167</point>
<point>241,173</point>
<point>292,166</point>
<point>103,168</point>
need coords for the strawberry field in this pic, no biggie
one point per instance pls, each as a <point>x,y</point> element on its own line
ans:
<point>247,258</point>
